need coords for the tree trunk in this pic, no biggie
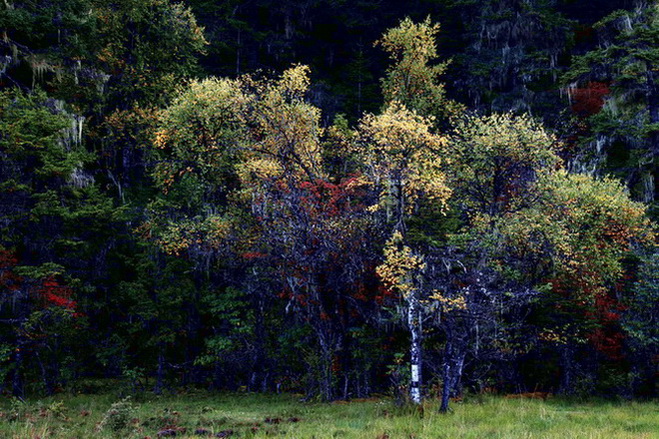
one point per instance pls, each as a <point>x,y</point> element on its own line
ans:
<point>218,375</point>
<point>446,387</point>
<point>191,371</point>
<point>453,366</point>
<point>259,372</point>
<point>653,103</point>
<point>48,386</point>
<point>17,380</point>
<point>326,374</point>
<point>414,323</point>
<point>446,379</point>
<point>160,372</point>
<point>567,359</point>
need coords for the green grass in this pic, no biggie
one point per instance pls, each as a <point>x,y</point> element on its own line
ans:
<point>81,416</point>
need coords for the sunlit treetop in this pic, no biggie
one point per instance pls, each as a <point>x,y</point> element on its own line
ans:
<point>222,141</point>
<point>403,156</point>
<point>411,79</point>
<point>284,130</point>
<point>495,160</point>
<point>579,231</point>
<point>200,131</point>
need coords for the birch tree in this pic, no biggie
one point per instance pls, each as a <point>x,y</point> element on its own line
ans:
<point>402,160</point>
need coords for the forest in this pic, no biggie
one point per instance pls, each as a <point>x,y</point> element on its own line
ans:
<point>339,199</point>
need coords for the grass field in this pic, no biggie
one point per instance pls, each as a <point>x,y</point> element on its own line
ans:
<point>195,415</point>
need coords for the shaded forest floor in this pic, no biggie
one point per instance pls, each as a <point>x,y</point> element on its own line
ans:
<point>195,415</point>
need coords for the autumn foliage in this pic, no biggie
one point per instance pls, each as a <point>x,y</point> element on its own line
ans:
<point>590,99</point>
<point>248,207</point>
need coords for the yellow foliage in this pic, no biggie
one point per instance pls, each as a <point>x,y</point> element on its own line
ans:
<point>403,157</point>
<point>449,304</point>
<point>285,137</point>
<point>401,266</point>
<point>411,79</point>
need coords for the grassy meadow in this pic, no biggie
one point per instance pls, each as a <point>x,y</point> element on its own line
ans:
<point>195,415</point>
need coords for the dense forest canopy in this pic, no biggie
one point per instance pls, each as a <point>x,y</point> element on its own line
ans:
<point>327,196</point>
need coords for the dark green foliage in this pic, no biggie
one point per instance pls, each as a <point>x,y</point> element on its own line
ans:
<point>623,132</point>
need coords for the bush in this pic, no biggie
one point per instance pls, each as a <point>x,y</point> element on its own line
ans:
<point>119,416</point>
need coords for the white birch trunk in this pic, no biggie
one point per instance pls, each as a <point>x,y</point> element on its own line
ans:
<point>414,323</point>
